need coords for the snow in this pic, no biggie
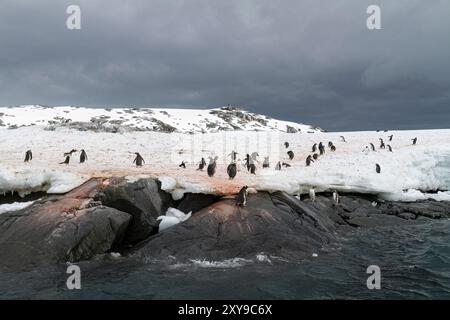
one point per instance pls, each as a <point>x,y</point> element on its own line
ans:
<point>171,218</point>
<point>15,206</point>
<point>408,173</point>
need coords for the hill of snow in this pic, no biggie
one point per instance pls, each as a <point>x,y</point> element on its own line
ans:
<point>145,119</point>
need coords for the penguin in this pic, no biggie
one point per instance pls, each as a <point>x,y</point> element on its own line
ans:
<point>372,146</point>
<point>254,156</point>
<point>202,164</point>
<point>333,148</point>
<point>241,198</point>
<point>211,166</point>
<point>278,166</point>
<point>343,139</point>
<point>247,161</point>
<point>314,147</point>
<point>66,161</point>
<point>330,144</point>
<point>377,168</point>
<point>28,156</point>
<point>312,194</point>
<point>286,144</point>
<point>309,160</point>
<point>382,145</point>
<point>70,152</point>
<point>390,137</point>
<point>336,197</point>
<point>266,163</point>
<point>315,156</point>
<point>414,141</point>
<point>252,168</point>
<point>389,147</point>
<point>286,165</point>
<point>138,160</point>
<point>182,165</point>
<point>231,170</point>
<point>83,156</point>
<point>290,154</point>
<point>233,155</point>
<point>321,149</point>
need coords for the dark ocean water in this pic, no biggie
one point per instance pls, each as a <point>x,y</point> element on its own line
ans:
<point>414,263</point>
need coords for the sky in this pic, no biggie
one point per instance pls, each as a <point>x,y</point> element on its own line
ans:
<point>309,61</point>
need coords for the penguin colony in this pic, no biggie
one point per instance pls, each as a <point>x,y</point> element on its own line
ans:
<point>250,162</point>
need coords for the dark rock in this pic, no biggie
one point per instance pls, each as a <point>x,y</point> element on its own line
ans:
<point>59,229</point>
<point>196,201</point>
<point>143,200</point>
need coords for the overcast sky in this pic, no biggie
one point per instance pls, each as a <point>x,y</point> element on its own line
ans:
<point>310,61</point>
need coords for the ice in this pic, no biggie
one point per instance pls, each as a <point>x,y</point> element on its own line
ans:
<point>408,173</point>
<point>171,218</point>
<point>15,206</point>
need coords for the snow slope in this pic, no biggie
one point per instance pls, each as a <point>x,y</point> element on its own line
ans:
<point>408,173</point>
<point>145,119</point>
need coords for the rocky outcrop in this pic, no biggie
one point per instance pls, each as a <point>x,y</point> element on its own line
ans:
<point>59,229</point>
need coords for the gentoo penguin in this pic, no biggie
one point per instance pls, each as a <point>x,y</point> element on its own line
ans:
<point>138,160</point>
<point>83,156</point>
<point>382,146</point>
<point>315,156</point>
<point>330,144</point>
<point>314,147</point>
<point>70,152</point>
<point>290,154</point>
<point>252,168</point>
<point>28,156</point>
<point>343,139</point>
<point>390,137</point>
<point>233,155</point>
<point>241,198</point>
<point>336,197</point>
<point>389,147</point>
<point>372,146</point>
<point>66,161</point>
<point>377,168</point>
<point>333,148</point>
<point>286,144</point>
<point>182,165</point>
<point>309,160</point>
<point>312,194</point>
<point>247,161</point>
<point>266,163</point>
<point>414,140</point>
<point>202,164</point>
<point>278,166</point>
<point>321,149</point>
<point>231,170</point>
<point>211,166</point>
<point>286,165</point>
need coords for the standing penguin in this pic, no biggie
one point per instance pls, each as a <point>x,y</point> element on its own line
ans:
<point>182,165</point>
<point>290,154</point>
<point>330,144</point>
<point>312,194</point>
<point>314,147</point>
<point>389,147</point>
<point>414,141</point>
<point>202,164</point>
<point>333,148</point>
<point>321,149</point>
<point>28,156</point>
<point>377,168</point>
<point>315,156</point>
<point>390,137</point>
<point>241,198</point>
<point>252,168</point>
<point>231,170</point>
<point>138,160</point>
<point>336,197</point>
<point>343,139</point>
<point>309,160</point>
<point>286,144</point>
<point>247,162</point>
<point>266,163</point>
<point>278,166</point>
<point>66,161</point>
<point>372,146</point>
<point>382,145</point>
<point>83,156</point>
<point>211,166</point>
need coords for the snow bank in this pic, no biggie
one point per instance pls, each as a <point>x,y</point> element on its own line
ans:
<point>15,206</point>
<point>171,218</point>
